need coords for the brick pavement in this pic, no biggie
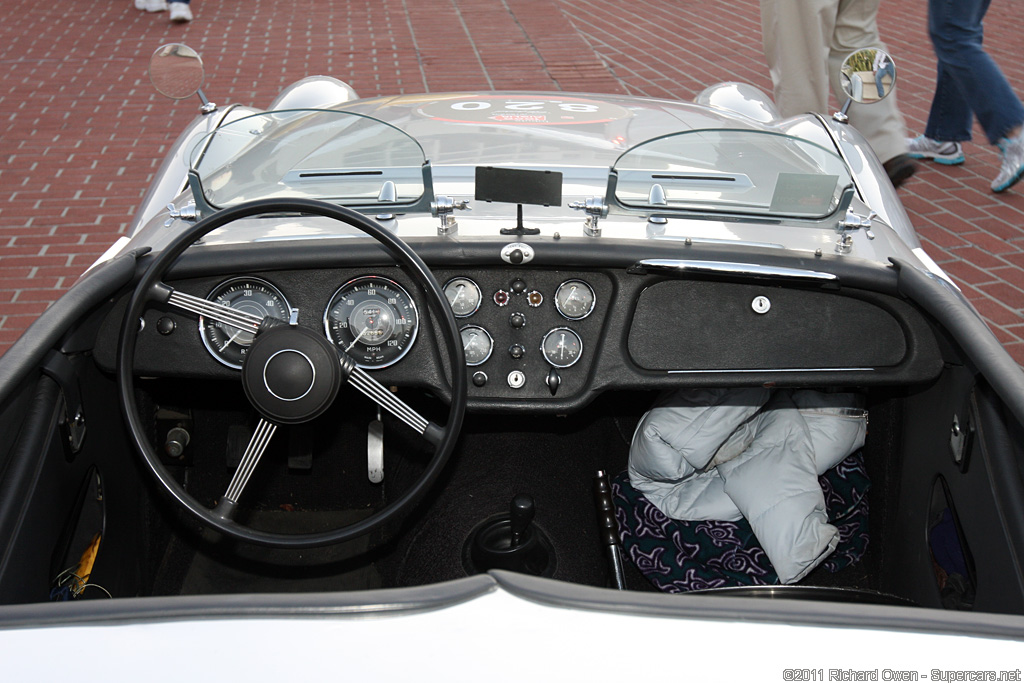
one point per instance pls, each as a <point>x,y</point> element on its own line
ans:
<point>82,131</point>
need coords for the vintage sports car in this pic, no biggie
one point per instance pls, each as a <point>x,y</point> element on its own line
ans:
<point>438,360</point>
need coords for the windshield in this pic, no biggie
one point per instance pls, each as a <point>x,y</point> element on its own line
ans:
<point>732,171</point>
<point>318,154</point>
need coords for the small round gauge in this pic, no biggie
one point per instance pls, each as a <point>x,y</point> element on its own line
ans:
<point>561,347</point>
<point>574,299</point>
<point>372,319</point>
<point>229,344</point>
<point>463,296</point>
<point>477,344</point>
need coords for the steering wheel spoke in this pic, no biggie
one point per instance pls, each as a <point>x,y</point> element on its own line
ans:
<point>250,459</point>
<point>387,400</point>
<point>247,322</point>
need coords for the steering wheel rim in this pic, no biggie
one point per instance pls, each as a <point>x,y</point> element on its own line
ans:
<point>151,287</point>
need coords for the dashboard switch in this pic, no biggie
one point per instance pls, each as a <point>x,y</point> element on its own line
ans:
<point>479,378</point>
<point>517,351</point>
<point>554,380</point>
<point>517,320</point>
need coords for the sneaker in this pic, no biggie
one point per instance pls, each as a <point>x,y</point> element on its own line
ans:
<point>151,5</point>
<point>1012,169</point>
<point>180,12</point>
<point>948,153</point>
<point>899,168</point>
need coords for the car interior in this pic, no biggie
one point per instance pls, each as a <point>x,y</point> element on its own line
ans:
<point>568,342</point>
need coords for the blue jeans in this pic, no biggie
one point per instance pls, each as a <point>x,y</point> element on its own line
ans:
<point>888,70</point>
<point>969,82</point>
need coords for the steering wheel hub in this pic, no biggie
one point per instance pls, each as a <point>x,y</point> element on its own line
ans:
<point>291,374</point>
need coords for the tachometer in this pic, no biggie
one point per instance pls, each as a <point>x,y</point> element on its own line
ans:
<point>230,344</point>
<point>372,319</point>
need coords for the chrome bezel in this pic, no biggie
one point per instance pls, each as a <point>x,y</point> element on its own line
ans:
<point>490,339</point>
<point>593,299</point>
<point>479,295</point>
<point>544,354</point>
<point>210,297</point>
<point>378,278</point>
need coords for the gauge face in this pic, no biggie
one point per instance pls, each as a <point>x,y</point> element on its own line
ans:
<point>561,347</point>
<point>574,299</point>
<point>463,296</point>
<point>373,320</point>
<point>477,344</point>
<point>230,344</point>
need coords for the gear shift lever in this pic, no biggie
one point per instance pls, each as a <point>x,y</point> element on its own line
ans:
<point>510,541</point>
<point>520,518</point>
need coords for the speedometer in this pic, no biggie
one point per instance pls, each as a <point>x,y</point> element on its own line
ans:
<point>372,319</point>
<point>230,344</point>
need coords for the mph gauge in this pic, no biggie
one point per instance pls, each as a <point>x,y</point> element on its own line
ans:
<point>372,319</point>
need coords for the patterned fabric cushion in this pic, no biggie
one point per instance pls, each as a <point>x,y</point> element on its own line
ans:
<point>679,556</point>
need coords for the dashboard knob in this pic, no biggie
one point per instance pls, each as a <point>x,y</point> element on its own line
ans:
<point>515,256</point>
<point>518,285</point>
<point>553,380</point>
<point>479,378</point>
<point>517,351</point>
<point>517,320</point>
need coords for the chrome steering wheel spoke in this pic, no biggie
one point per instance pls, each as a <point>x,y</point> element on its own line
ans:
<point>246,322</point>
<point>387,400</point>
<point>250,459</point>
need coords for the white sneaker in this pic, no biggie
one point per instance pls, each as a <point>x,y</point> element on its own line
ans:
<point>1012,168</point>
<point>180,12</point>
<point>151,5</point>
<point>948,153</point>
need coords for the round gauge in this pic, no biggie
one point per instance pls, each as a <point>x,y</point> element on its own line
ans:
<point>574,299</point>
<point>561,347</point>
<point>463,296</point>
<point>372,319</point>
<point>477,344</point>
<point>229,344</point>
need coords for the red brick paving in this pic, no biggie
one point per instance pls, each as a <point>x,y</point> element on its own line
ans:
<point>82,131</point>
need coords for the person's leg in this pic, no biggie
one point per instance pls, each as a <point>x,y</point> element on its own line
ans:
<point>956,32</point>
<point>880,122</point>
<point>795,34</point>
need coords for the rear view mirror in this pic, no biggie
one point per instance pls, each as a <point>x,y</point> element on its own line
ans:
<point>868,75</point>
<point>176,71</point>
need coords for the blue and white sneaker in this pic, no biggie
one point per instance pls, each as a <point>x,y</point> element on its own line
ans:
<point>948,153</point>
<point>1012,168</point>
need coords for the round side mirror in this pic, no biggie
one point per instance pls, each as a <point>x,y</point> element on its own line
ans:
<point>176,71</point>
<point>868,75</point>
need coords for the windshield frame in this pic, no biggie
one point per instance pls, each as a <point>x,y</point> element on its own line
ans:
<point>617,206</point>
<point>422,203</point>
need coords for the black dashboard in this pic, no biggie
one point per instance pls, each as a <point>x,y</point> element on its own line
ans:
<point>539,337</point>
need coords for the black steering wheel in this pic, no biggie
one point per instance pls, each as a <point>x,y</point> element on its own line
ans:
<point>291,374</point>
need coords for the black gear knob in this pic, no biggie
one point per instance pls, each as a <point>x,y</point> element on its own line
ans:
<point>520,517</point>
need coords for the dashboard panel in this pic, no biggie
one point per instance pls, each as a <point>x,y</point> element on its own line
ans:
<point>551,339</point>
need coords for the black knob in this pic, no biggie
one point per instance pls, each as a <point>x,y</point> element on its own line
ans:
<point>518,286</point>
<point>515,256</point>
<point>517,351</point>
<point>517,320</point>
<point>479,378</point>
<point>165,326</point>
<point>520,517</point>
<point>553,381</point>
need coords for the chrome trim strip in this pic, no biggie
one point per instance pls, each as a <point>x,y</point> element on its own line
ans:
<point>687,372</point>
<point>679,266</point>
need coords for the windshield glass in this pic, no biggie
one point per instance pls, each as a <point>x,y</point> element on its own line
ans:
<point>318,154</point>
<point>732,171</point>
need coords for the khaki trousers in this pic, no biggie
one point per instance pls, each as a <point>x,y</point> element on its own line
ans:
<point>805,43</point>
